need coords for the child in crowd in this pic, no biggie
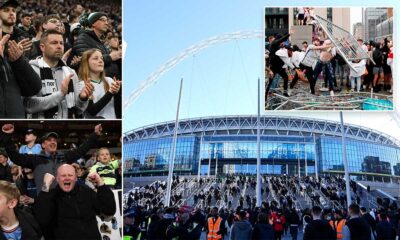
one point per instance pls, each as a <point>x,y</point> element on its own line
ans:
<point>357,70</point>
<point>101,102</point>
<point>105,167</point>
<point>15,222</point>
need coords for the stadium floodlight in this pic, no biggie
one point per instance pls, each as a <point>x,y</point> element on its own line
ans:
<point>344,41</point>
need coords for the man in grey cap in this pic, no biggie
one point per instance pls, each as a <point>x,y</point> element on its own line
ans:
<point>49,159</point>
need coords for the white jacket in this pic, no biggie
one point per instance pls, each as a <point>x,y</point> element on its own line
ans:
<point>359,68</point>
<point>283,54</point>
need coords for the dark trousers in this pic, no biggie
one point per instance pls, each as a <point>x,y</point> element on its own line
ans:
<point>293,232</point>
<point>328,72</point>
<point>283,74</point>
<point>310,77</point>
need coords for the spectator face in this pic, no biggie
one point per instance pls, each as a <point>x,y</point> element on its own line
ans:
<point>26,21</point>
<point>5,205</point>
<point>50,145</point>
<point>104,156</point>
<point>8,15</point>
<point>53,47</point>
<point>66,177</point>
<point>30,137</point>
<point>78,9</point>
<point>101,25</point>
<point>3,160</point>
<point>52,23</point>
<point>96,63</point>
<point>114,43</point>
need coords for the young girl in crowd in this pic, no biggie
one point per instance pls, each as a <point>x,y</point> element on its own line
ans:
<point>105,167</point>
<point>101,102</point>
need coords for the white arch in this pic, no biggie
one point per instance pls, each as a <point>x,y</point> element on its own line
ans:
<point>154,76</point>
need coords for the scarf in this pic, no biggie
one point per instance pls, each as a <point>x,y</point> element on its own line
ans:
<point>49,86</point>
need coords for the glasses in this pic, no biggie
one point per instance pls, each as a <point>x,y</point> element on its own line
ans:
<point>103,19</point>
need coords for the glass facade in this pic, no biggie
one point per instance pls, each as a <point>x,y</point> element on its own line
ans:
<point>152,155</point>
<point>372,17</point>
<point>362,156</point>
<point>279,155</point>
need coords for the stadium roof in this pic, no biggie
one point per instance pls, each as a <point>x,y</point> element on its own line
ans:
<point>270,125</point>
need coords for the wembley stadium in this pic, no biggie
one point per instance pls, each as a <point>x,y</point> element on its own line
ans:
<point>289,145</point>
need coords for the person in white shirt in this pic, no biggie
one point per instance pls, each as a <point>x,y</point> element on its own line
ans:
<point>356,71</point>
<point>300,16</point>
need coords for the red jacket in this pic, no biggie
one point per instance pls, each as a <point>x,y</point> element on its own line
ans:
<point>279,222</point>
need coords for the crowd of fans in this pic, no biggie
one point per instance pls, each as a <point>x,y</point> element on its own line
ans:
<point>320,59</point>
<point>55,193</point>
<point>60,59</point>
<point>146,217</point>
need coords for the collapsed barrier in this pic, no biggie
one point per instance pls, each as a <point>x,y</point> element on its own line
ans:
<point>344,41</point>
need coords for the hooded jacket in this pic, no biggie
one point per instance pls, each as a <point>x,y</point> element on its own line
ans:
<point>17,79</point>
<point>50,97</point>
<point>241,230</point>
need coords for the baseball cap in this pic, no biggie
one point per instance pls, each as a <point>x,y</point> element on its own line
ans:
<point>31,131</point>
<point>49,134</point>
<point>6,3</point>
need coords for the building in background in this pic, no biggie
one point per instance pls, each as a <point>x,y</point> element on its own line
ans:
<point>288,145</point>
<point>276,21</point>
<point>378,23</point>
<point>281,20</point>
<point>358,31</point>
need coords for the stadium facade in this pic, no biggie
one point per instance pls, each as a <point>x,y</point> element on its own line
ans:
<point>288,146</point>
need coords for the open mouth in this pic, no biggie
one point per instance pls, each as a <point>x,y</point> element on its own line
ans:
<point>67,184</point>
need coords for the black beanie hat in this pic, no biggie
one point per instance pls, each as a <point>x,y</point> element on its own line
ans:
<point>94,16</point>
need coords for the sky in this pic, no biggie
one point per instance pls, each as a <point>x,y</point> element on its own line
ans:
<point>218,80</point>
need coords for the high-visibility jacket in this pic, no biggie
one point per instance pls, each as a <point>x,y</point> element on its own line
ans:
<point>213,228</point>
<point>338,227</point>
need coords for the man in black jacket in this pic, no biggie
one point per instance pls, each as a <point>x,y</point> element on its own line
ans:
<point>69,211</point>
<point>276,63</point>
<point>369,219</point>
<point>97,23</point>
<point>384,229</point>
<point>356,228</point>
<point>318,228</point>
<point>17,78</point>
<point>8,16</point>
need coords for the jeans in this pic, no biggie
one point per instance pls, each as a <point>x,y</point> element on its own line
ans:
<point>353,83</point>
<point>328,72</point>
